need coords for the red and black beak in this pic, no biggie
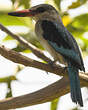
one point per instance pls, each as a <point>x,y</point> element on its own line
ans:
<point>23,13</point>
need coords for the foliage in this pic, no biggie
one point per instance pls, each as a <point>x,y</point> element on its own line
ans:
<point>57,2</point>
<point>77,4</point>
<point>25,3</point>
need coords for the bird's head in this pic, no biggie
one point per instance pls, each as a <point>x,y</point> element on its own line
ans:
<point>37,12</point>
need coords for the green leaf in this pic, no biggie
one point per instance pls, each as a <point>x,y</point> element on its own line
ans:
<point>58,3</point>
<point>77,4</point>
<point>27,51</point>
<point>7,38</point>
<point>13,1</point>
<point>54,104</point>
<point>76,31</point>
<point>79,25</point>
<point>81,21</point>
<point>19,48</point>
<point>10,20</point>
<point>25,3</point>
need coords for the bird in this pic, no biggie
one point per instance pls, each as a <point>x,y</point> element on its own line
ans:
<point>58,41</point>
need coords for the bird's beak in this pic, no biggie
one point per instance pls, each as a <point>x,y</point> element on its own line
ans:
<point>23,13</point>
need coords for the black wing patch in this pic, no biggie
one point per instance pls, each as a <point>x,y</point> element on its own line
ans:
<point>55,34</point>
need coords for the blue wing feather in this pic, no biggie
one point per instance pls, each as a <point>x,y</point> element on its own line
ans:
<point>65,52</point>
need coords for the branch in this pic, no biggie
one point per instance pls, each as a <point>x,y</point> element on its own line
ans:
<point>35,50</point>
<point>46,94</point>
<point>43,95</point>
<point>21,59</point>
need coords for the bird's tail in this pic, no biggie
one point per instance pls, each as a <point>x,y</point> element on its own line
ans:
<point>75,85</point>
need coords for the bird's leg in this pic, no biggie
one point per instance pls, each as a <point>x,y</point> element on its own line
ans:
<point>51,63</point>
<point>65,68</point>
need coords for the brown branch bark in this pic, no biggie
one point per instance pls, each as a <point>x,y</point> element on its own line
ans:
<point>21,59</point>
<point>35,50</point>
<point>44,95</point>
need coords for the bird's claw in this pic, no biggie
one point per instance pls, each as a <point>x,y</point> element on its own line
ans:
<point>51,63</point>
<point>65,68</point>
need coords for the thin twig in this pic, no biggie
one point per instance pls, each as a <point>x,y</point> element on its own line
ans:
<point>35,50</point>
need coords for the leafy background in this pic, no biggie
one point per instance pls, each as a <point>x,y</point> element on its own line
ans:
<point>74,15</point>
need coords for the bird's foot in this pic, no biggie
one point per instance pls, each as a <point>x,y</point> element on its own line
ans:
<point>65,68</point>
<point>51,63</point>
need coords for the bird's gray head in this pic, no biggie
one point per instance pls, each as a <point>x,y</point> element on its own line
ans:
<point>42,8</point>
<point>37,11</point>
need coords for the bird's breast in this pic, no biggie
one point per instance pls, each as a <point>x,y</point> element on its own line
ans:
<point>46,45</point>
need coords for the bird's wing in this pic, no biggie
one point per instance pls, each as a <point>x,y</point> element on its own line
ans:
<point>62,41</point>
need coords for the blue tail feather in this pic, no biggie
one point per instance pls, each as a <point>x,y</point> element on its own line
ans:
<point>75,85</point>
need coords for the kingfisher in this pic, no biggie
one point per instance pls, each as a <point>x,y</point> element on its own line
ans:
<point>58,41</point>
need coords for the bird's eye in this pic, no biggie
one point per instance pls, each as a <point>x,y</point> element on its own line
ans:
<point>40,10</point>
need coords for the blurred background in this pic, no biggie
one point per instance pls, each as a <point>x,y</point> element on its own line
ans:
<point>15,79</point>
